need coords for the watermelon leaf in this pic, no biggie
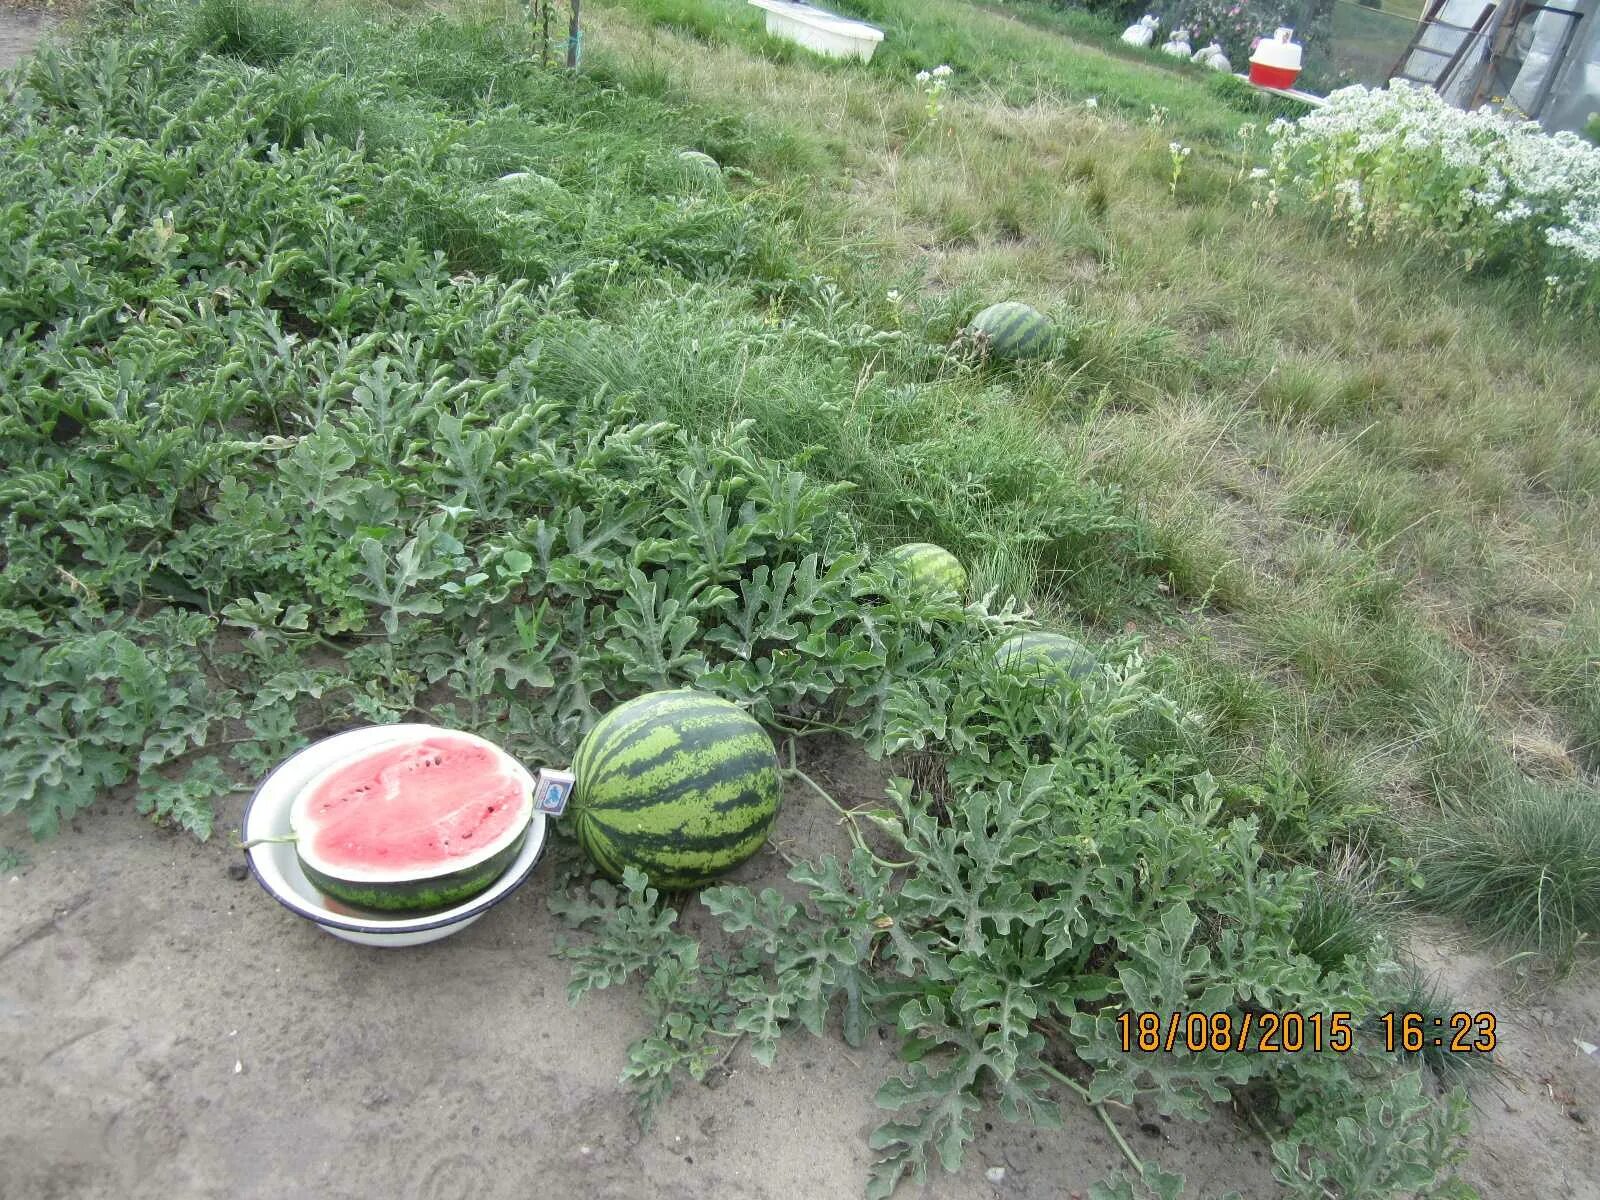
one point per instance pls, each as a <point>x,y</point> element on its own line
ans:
<point>653,634</point>
<point>392,583</point>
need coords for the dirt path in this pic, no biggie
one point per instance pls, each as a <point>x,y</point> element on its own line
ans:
<point>20,31</point>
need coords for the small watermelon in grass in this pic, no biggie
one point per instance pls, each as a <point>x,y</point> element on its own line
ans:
<point>1039,652</point>
<point>420,823</point>
<point>698,167</point>
<point>529,181</point>
<point>1013,330</point>
<point>681,785</point>
<point>931,569</point>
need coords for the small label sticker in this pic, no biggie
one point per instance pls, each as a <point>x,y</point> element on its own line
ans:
<point>551,790</point>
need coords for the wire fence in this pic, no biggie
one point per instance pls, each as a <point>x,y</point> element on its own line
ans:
<point>1347,42</point>
<point>1367,42</point>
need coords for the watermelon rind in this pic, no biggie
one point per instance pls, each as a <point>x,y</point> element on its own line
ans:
<point>1038,652</point>
<point>419,894</point>
<point>413,889</point>
<point>929,568</point>
<point>681,785</point>
<point>1012,329</point>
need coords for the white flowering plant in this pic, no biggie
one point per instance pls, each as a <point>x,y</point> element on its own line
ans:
<point>934,83</point>
<point>1501,193</point>
<point>1178,152</point>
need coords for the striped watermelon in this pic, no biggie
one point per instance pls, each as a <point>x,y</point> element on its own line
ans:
<point>1039,652</point>
<point>930,569</point>
<point>681,785</point>
<point>1013,330</point>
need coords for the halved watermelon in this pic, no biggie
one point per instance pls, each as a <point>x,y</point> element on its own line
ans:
<point>419,823</point>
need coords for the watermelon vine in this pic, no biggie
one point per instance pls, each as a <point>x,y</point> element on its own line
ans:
<point>1082,864</point>
<point>309,421</point>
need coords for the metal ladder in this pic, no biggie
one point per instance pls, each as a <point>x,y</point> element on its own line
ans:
<point>1452,58</point>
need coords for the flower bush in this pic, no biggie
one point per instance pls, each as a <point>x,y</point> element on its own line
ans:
<point>1502,194</point>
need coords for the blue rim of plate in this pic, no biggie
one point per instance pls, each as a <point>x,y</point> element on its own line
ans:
<point>477,909</point>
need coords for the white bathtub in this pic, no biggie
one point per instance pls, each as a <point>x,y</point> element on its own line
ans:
<point>825,32</point>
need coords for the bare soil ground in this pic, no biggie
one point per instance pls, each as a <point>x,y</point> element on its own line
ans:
<point>20,31</point>
<point>166,1030</point>
<point>1537,1126</point>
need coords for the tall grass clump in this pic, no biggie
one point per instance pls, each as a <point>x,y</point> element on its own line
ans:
<point>1334,925</point>
<point>1414,992</point>
<point>1524,872</point>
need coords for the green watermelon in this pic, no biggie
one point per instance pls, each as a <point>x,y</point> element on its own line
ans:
<point>530,181</point>
<point>699,167</point>
<point>1013,330</point>
<point>681,785</point>
<point>930,569</point>
<point>424,822</point>
<point>1040,651</point>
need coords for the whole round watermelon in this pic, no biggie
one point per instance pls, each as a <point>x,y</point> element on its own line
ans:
<point>930,569</point>
<point>1013,330</point>
<point>698,167</point>
<point>681,785</point>
<point>529,181</point>
<point>1039,651</point>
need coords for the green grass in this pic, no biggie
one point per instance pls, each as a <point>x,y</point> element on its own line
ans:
<point>1524,872</point>
<point>990,48</point>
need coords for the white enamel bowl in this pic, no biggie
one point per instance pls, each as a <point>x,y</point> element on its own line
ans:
<point>277,869</point>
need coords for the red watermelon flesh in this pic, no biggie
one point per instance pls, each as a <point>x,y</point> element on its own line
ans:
<point>417,806</point>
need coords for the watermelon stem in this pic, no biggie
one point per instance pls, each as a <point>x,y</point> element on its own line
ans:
<point>795,772</point>
<point>1105,1117</point>
<point>263,841</point>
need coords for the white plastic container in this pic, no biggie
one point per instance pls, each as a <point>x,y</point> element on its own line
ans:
<point>1275,63</point>
<point>824,32</point>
